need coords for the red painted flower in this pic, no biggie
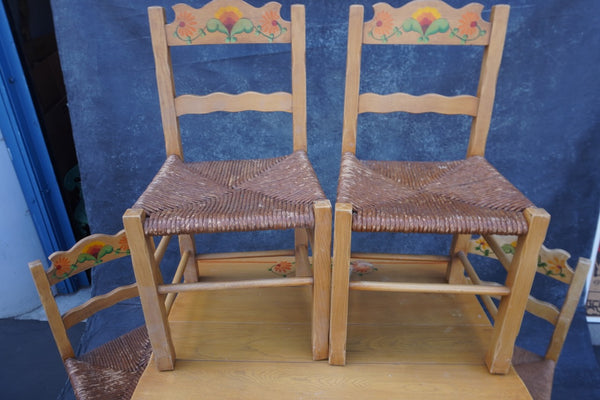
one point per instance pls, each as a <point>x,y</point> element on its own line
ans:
<point>269,23</point>
<point>228,16</point>
<point>425,17</point>
<point>93,249</point>
<point>283,268</point>
<point>186,24</point>
<point>468,23</point>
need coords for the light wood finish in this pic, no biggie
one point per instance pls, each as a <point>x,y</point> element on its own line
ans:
<point>455,271</point>
<point>450,16</point>
<point>89,252</point>
<point>340,283</point>
<point>519,279</point>
<point>552,263</point>
<point>381,104</point>
<point>229,22</point>
<point>255,345</point>
<point>433,22</point>
<point>486,92</point>
<point>148,278</point>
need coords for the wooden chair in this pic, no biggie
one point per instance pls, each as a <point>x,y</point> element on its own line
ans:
<point>537,371</point>
<point>112,370</point>
<point>432,197</point>
<point>186,198</point>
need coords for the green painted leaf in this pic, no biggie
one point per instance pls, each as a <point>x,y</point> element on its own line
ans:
<point>243,25</point>
<point>508,249</point>
<point>412,25</point>
<point>107,249</point>
<point>440,25</point>
<point>214,25</point>
<point>83,257</point>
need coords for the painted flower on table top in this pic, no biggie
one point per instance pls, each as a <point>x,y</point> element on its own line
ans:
<point>186,25</point>
<point>228,16</point>
<point>361,267</point>
<point>283,268</point>
<point>384,24</point>
<point>467,25</point>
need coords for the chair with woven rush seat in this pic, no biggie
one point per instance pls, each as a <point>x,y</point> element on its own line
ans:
<point>112,370</point>
<point>536,371</point>
<point>187,198</point>
<point>460,198</point>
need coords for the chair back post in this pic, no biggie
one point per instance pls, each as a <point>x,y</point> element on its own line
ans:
<point>355,36</point>
<point>568,309</point>
<point>165,82</point>
<point>486,91</point>
<point>57,326</point>
<point>298,44</point>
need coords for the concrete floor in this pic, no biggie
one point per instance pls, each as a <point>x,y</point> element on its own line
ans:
<point>32,368</point>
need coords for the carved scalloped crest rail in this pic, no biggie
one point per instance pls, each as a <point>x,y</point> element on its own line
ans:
<point>86,253</point>
<point>227,21</point>
<point>427,22</point>
<point>551,262</point>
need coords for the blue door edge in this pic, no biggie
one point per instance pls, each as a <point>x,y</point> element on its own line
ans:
<point>23,136</point>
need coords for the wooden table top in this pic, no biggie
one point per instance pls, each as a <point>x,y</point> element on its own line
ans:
<point>255,344</point>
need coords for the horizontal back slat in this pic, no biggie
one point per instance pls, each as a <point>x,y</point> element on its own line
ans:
<point>427,22</point>
<point>375,103</point>
<point>227,21</point>
<point>247,101</point>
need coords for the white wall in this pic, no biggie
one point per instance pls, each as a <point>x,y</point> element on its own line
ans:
<point>19,243</point>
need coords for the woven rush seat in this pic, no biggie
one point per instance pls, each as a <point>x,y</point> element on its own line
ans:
<point>236,195</point>
<point>112,370</point>
<point>464,196</point>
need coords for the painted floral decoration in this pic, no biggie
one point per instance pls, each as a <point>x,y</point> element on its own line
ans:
<point>482,246</point>
<point>468,28</point>
<point>361,267</point>
<point>426,21</point>
<point>229,21</point>
<point>283,268</point>
<point>94,252</point>
<point>384,27</point>
<point>554,266</point>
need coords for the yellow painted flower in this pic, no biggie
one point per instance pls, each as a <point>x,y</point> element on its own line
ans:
<point>482,244</point>
<point>93,249</point>
<point>228,16</point>
<point>555,265</point>
<point>425,16</point>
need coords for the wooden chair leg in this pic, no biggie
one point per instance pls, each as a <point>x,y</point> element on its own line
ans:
<point>455,271</point>
<point>340,283</point>
<point>148,277</point>
<point>187,243</point>
<point>321,254</point>
<point>519,280</point>
<point>301,252</point>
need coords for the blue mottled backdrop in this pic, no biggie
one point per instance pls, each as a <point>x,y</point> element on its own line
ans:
<point>544,136</point>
